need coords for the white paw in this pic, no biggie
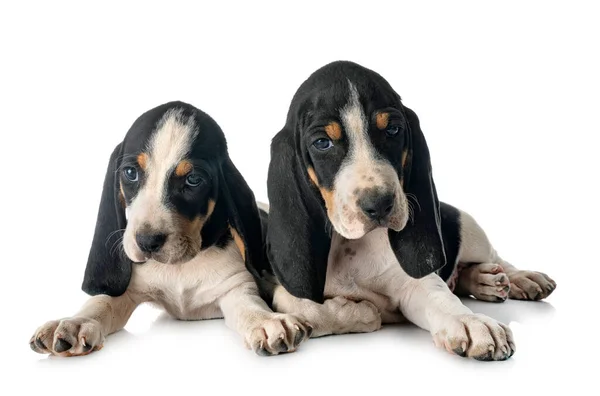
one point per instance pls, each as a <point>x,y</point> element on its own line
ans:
<point>530,285</point>
<point>476,336</point>
<point>75,336</point>
<point>351,316</point>
<point>486,281</point>
<point>279,333</point>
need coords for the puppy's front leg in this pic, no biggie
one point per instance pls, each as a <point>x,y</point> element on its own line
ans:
<point>84,332</point>
<point>336,315</point>
<point>265,332</point>
<point>429,303</point>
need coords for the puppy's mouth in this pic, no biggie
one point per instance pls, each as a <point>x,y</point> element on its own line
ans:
<point>355,225</point>
<point>178,250</point>
<point>171,259</point>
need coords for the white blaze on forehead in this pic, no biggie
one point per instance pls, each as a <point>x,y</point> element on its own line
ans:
<point>356,126</point>
<point>169,146</point>
<point>361,170</point>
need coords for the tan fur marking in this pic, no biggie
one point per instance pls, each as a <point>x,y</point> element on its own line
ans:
<point>382,120</point>
<point>142,160</point>
<point>183,168</point>
<point>238,241</point>
<point>328,196</point>
<point>334,130</point>
<point>122,195</point>
<point>211,207</point>
<point>404,157</point>
<point>313,176</point>
<point>193,227</point>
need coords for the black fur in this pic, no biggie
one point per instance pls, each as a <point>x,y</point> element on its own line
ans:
<point>108,269</point>
<point>451,228</point>
<point>298,235</point>
<point>297,238</point>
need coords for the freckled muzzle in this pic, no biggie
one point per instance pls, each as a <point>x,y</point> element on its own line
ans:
<point>369,197</point>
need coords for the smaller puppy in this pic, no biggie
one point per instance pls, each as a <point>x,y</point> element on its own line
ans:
<point>179,227</point>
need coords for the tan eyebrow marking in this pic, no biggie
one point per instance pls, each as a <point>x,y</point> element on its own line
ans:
<point>382,120</point>
<point>142,160</point>
<point>334,130</point>
<point>183,168</point>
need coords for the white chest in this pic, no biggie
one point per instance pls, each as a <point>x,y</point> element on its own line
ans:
<point>191,290</point>
<point>365,268</point>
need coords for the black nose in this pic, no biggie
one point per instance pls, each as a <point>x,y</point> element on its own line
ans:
<point>377,206</point>
<point>150,243</point>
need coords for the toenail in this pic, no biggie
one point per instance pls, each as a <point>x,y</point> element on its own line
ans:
<point>39,343</point>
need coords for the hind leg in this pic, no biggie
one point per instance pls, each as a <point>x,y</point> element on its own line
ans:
<point>528,285</point>
<point>490,278</point>
<point>485,281</point>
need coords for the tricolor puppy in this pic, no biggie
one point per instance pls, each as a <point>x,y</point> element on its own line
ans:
<point>179,227</point>
<point>354,218</point>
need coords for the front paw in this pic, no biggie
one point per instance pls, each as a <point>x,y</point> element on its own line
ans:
<point>277,334</point>
<point>68,337</point>
<point>476,336</point>
<point>530,285</point>
<point>348,316</point>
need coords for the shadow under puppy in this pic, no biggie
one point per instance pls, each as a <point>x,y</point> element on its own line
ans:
<point>354,221</point>
<point>179,227</point>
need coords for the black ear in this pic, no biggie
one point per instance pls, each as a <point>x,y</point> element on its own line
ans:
<point>297,239</point>
<point>244,218</point>
<point>419,247</point>
<point>108,269</point>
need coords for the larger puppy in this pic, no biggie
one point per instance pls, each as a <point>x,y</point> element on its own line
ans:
<point>177,226</point>
<point>354,216</point>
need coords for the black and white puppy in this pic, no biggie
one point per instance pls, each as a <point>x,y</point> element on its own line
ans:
<point>354,218</point>
<point>179,227</point>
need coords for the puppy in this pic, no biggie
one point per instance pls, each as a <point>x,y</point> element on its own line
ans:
<point>178,227</point>
<point>354,218</point>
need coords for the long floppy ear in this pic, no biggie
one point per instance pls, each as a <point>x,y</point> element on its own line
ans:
<point>244,218</point>
<point>108,269</point>
<point>297,239</point>
<point>419,246</point>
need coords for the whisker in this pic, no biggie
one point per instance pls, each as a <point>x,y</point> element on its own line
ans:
<point>112,234</point>
<point>413,197</point>
<point>116,245</point>
<point>411,212</point>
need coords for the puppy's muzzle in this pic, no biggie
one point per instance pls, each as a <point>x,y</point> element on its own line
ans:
<point>377,206</point>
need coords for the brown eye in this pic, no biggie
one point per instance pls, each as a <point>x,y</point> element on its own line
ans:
<point>193,180</point>
<point>131,174</point>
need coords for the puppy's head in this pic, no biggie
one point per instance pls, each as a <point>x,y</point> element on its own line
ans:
<point>362,153</point>
<point>169,184</point>
<point>356,149</point>
<point>170,191</point>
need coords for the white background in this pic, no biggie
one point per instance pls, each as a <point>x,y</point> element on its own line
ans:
<point>508,97</point>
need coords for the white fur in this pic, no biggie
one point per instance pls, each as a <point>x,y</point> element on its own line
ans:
<point>362,170</point>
